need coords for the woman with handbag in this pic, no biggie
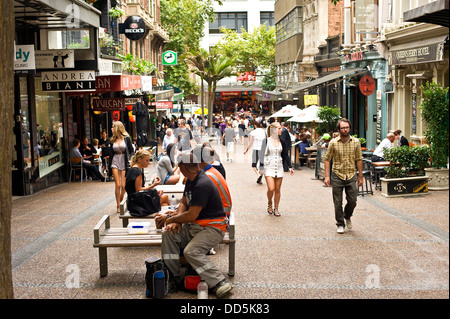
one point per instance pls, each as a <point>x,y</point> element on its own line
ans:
<point>275,154</point>
<point>143,200</point>
<point>121,150</point>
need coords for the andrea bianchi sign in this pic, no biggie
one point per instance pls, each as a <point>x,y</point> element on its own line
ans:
<point>133,27</point>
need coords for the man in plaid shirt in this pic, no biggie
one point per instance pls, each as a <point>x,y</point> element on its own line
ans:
<point>344,150</point>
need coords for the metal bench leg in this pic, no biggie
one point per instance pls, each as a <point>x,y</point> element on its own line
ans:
<point>231,257</point>
<point>103,258</point>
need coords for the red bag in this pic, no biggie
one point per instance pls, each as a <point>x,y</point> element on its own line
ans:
<point>191,280</point>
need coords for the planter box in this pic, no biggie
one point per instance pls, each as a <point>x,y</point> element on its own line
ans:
<point>407,186</point>
<point>437,178</point>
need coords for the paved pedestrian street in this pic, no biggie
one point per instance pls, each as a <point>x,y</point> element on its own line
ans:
<point>398,247</point>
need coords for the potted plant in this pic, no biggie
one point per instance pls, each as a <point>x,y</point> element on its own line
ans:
<point>405,174</point>
<point>435,112</point>
<point>116,12</point>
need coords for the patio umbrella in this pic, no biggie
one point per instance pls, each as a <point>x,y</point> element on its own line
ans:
<point>287,111</point>
<point>307,115</point>
<point>199,111</point>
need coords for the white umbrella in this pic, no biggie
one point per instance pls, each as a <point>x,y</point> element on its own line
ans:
<point>307,115</point>
<point>287,111</point>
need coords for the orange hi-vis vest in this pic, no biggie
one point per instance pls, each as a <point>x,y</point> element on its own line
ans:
<point>221,184</point>
<point>220,223</point>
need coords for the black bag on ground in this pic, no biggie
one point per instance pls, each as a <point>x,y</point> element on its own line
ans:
<point>144,203</point>
<point>156,278</point>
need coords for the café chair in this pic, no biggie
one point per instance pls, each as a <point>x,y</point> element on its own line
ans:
<point>76,164</point>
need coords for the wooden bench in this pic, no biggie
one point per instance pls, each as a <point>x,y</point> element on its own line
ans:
<point>105,236</point>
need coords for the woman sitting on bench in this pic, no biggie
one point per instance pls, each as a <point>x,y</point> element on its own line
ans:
<point>135,179</point>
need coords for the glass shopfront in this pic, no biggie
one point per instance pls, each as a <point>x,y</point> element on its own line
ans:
<point>39,151</point>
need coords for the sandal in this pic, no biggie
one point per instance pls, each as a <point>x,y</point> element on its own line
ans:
<point>276,212</point>
<point>269,209</point>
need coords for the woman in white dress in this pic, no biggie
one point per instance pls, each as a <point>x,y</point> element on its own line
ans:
<point>275,153</point>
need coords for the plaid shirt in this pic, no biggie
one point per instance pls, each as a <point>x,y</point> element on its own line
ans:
<point>344,156</point>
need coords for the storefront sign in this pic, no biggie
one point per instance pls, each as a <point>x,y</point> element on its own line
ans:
<point>55,59</point>
<point>113,104</point>
<point>367,85</point>
<point>49,163</point>
<point>133,27</point>
<point>132,100</point>
<point>164,105</point>
<point>146,83</point>
<point>310,99</point>
<point>357,56</point>
<point>423,54</point>
<point>117,83</point>
<point>24,61</point>
<point>109,67</point>
<point>246,76</point>
<point>68,81</point>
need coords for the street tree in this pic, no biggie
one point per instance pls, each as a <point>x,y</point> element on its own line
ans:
<point>211,67</point>
<point>6,146</point>
<point>253,52</point>
<point>184,20</point>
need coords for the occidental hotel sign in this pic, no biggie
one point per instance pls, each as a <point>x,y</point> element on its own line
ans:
<point>68,81</point>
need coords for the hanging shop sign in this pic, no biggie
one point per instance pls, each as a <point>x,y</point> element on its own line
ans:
<point>169,58</point>
<point>310,99</point>
<point>55,59</point>
<point>367,85</point>
<point>24,61</point>
<point>133,27</point>
<point>68,81</point>
<point>109,104</point>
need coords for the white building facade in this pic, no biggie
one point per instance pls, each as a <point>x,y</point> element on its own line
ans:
<point>234,15</point>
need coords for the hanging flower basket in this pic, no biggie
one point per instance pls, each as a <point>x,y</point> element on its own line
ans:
<point>116,13</point>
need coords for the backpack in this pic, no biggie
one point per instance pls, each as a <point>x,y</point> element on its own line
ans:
<point>156,278</point>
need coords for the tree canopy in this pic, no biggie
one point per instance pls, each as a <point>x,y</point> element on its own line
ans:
<point>184,20</point>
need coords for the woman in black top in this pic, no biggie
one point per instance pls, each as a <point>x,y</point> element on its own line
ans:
<point>135,179</point>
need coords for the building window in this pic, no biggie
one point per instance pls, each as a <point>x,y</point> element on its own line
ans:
<point>69,39</point>
<point>290,25</point>
<point>267,17</point>
<point>229,20</point>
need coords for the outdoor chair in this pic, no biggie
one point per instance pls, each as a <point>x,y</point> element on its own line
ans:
<point>76,164</point>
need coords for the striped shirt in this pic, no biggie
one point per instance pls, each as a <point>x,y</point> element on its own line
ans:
<point>344,155</point>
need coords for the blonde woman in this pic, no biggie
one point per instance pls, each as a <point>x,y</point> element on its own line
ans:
<point>135,179</point>
<point>121,152</point>
<point>275,154</point>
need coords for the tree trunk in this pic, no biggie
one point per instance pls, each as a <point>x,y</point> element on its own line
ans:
<point>6,129</point>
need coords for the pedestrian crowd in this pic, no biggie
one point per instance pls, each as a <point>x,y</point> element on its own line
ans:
<point>198,223</point>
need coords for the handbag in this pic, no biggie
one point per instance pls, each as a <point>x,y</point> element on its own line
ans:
<point>144,203</point>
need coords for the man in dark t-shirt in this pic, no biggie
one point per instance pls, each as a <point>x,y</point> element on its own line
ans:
<point>197,225</point>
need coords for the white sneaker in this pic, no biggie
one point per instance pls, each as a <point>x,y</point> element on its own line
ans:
<point>348,223</point>
<point>340,229</point>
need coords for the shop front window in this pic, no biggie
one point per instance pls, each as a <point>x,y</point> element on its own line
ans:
<point>49,130</point>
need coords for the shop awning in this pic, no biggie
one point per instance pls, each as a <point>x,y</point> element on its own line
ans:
<point>435,13</point>
<point>269,95</point>
<point>53,14</point>
<point>324,79</point>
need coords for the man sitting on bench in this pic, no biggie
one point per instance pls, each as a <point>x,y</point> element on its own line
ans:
<point>198,224</point>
